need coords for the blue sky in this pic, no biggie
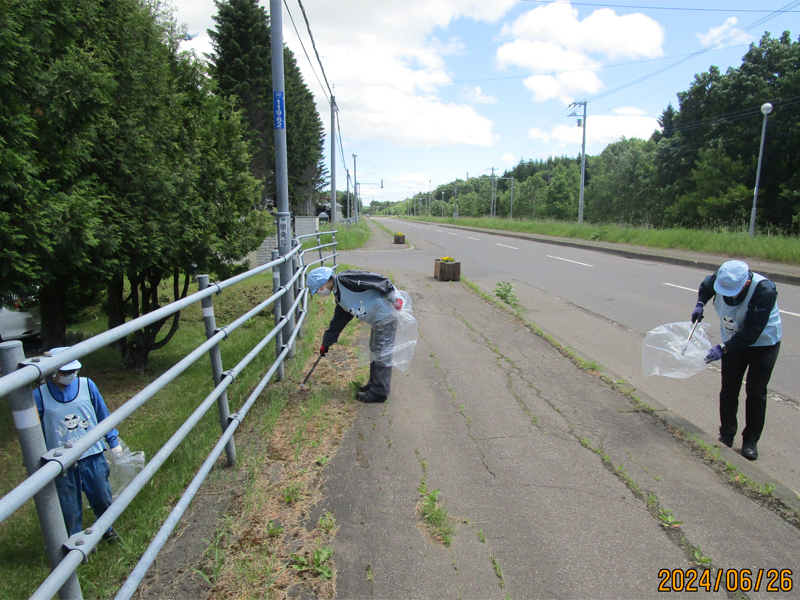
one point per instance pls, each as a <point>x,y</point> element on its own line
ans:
<point>431,90</point>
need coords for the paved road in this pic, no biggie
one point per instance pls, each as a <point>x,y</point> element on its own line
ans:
<point>548,472</point>
<point>602,305</point>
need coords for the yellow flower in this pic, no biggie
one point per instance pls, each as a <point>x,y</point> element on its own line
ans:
<point>448,259</point>
<point>398,233</point>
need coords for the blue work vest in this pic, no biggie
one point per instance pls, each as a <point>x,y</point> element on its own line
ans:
<point>65,422</point>
<point>732,317</point>
<point>366,306</point>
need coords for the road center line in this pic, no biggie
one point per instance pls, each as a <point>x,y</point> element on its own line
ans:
<point>438,230</point>
<point>472,238</point>
<point>680,287</point>
<point>568,260</point>
<point>504,246</point>
<point>452,233</point>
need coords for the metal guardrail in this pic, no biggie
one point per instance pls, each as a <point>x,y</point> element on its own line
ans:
<point>66,554</point>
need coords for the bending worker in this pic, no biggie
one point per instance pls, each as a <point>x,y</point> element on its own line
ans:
<point>747,305</point>
<point>370,298</point>
<point>69,406</point>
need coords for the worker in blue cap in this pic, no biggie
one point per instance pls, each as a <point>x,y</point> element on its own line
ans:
<point>361,294</point>
<point>69,406</point>
<point>750,327</point>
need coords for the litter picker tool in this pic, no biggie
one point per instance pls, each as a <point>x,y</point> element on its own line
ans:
<point>686,345</point>
<point>303,385</point>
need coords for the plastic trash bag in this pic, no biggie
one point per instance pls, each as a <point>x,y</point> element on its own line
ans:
<point>124,467</point>
<point>661,350</point>
<point>390,341</point>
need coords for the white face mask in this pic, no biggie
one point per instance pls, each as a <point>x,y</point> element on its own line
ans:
<point>323,292</point>
<point>65,380</point>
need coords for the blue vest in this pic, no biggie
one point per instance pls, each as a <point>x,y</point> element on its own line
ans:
<point>732,317</point>
<point>368,306</point>
<point>69,421</point>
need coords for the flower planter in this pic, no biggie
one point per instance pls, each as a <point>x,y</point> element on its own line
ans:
<point>399,239</point>
<point>447,271</point>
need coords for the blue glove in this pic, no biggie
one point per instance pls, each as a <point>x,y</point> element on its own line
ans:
<point>697,313</point>
<point>714,354</point>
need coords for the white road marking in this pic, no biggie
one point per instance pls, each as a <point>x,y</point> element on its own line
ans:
<point>452,233</point>
<point>680,287</point>
<point>472,238</point>
<point>439,230</point>
<point>568,260</point>
<point>504,246</point>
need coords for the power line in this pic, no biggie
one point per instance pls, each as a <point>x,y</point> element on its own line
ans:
<point>678,8</point>
<point>314,44</point>
<point>302,45</point>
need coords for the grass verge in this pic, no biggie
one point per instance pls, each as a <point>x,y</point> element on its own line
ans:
<point>736,243</point>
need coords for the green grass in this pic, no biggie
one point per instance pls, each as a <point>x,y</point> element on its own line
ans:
<point>347,238</point>
<point>736,243</point>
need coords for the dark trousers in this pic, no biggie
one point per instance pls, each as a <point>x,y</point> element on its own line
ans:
<point>89,475</point>
<point>758,361</point>
<point>381,343</point>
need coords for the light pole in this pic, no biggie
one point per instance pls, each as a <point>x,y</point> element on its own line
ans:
<point>766,108</point>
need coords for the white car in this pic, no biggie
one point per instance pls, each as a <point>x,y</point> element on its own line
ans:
<point>19,323</point>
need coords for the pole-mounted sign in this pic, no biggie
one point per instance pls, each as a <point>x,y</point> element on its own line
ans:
<point>280,112</point>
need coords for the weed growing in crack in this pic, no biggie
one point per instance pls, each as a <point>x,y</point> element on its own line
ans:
<point>498,570</point>
<point>668,520</point>
<point>370,575</point>
<point>317,564</point>
<point>327,521</point>
<point>505,291</point>
<point>699,558</point>
<point>436,515</point>
<point>481,536</point>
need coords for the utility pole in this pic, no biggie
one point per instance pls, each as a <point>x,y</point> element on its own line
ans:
<point>455,202</point>
<point>281,164</point>
<point>333,160</point>
<point>511,216</point>
<point>347,171</point>
<point>581,123</point>
<point>443,204</point>
<point>355,187</point>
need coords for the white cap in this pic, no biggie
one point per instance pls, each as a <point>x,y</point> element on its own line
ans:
<point>70,366</point>
<point>731,278</point>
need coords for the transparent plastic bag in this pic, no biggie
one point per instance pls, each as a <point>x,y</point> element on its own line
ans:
<point>390,341</point>
<point>124,468</point>
<point>661,350</point>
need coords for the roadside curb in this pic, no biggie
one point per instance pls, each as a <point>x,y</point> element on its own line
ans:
<point>768,270</point>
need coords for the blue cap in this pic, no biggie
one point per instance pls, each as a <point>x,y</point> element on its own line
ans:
<point>318,277</point>
<point>731,278</point>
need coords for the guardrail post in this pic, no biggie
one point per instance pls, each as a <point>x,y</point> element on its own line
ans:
<point>31,441</point>
<point>216,367</point>
<point>335,248</point>
<point>298,288</point>
<point>276,307</point>
<point>319,243</point>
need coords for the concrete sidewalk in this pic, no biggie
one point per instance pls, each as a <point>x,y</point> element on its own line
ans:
<point>560,487</point>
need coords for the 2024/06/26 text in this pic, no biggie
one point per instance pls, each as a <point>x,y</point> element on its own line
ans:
<point>730,580</point>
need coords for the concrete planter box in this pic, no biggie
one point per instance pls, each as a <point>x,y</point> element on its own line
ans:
<point>399,239</point>
<point>447,271</point>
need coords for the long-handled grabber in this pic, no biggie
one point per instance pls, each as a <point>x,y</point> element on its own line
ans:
<point>303,385</point>
<point>686,345</point>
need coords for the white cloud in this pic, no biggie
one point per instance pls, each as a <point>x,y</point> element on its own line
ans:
<point>508,157</point>
<point>563,53</point>
<point>600,130</point>
<point>728,28</point>
<point>364,43</point>
<point>476,96</point>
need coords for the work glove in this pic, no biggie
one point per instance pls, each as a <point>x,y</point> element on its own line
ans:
<point>398,303</point>
<point>714,354</point>
<point>697,313</point>
<point>323,350</point>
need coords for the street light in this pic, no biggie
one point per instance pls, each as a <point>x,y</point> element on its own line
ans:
<point>766,108</point>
